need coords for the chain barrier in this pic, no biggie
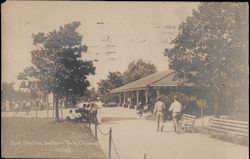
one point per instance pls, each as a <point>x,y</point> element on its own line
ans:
<point>102,131</point>
<point>111,141</point>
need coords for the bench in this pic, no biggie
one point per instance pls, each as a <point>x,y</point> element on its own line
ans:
<point>187,122</point>
<point>226,126</point>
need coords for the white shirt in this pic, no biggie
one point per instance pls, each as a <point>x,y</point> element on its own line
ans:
<point>99,104</point>
<point>16,105</point>
<point>159,107</point>
<point>175,107</point>
<point>78,115</point>
<point>72,115</point>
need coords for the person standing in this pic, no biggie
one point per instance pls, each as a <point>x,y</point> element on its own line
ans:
<point>139,109</point>
<point>7,105</point>
<point>27,107</point>
<point>16,107</point>
<point>176,109</point>
<point>99,110</point>
<point>159,113</point>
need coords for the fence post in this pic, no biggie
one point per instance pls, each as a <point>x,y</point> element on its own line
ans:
<point>96,130</point>
<point>61,112</point>
<point>47,113</point>
<point>89,119</point>
<point>110,138</point>
<point>36,113</point>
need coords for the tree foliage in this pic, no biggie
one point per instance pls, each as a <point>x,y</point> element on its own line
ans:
<point>9,93</point>
<point>211,50</point>
<point>138,69</point>
<point>56,62</point>
<point>57,65</point>
<point>113,81</point>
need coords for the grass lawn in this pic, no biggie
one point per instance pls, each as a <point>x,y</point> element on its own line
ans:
<point>45,138</point>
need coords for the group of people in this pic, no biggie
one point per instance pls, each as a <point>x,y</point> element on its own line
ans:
<point>17,106</point>
<point>175,108</point>
<point>88,112</point>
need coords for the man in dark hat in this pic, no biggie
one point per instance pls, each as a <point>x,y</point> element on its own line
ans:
<point>159,113</point>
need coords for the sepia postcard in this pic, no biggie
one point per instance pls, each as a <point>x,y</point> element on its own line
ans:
<point>125,80</point>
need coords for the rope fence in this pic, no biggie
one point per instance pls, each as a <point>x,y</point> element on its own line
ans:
<point>110,142</point>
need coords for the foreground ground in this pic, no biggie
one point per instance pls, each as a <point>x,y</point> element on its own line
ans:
<point>134,137</point>
<point>45,138</point>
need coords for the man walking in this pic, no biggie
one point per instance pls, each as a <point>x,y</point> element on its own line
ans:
<point>176,112</point>
<point>158,112</point>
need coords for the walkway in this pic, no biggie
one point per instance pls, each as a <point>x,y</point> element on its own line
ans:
<point>135,137</point>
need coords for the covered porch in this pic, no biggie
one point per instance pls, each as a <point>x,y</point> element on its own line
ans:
<point>147,89</point>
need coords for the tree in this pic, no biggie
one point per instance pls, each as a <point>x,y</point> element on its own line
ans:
<point>138,69</point>
<point>113,81</point>
<point>91,94</point>
<point>211,51</point>
<point>57,66</point>
<point>8,91</point>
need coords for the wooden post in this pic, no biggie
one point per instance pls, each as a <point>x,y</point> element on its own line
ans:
<point>61,112</point>
<point>202,120</point>
<point>120,99</point>
<point>96,130</point>
<point>146,96</point>
<point>137,97</point>
<point>90,118</point>
<point>110,138</point>
<point>158,92</point>
<point>124,99</point>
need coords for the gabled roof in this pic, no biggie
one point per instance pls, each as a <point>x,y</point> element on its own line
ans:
<point>164,78</point>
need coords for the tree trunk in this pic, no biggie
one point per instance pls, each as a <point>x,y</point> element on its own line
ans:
<point>57,108</point>
<point>216,108</point>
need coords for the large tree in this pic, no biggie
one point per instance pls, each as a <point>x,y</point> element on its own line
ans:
<point>138,69</point>
<point>211,51</point>
<point>57,65</point>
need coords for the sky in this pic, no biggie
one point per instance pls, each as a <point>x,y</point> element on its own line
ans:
<point>116,33</point>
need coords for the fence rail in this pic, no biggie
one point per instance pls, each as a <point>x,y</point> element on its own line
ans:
<point>46,113</point>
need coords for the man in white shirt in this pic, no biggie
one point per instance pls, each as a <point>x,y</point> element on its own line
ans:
<point>99,109</point>
<point>176,109</point>
<point>158,112</point>
<point>71,117</point>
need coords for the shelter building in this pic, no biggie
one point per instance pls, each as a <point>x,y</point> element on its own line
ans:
<point>149,87</point>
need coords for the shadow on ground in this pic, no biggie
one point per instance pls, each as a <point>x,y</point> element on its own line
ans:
<point>109,119</point>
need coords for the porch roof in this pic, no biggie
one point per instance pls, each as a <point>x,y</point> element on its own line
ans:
<point>159,79</point>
